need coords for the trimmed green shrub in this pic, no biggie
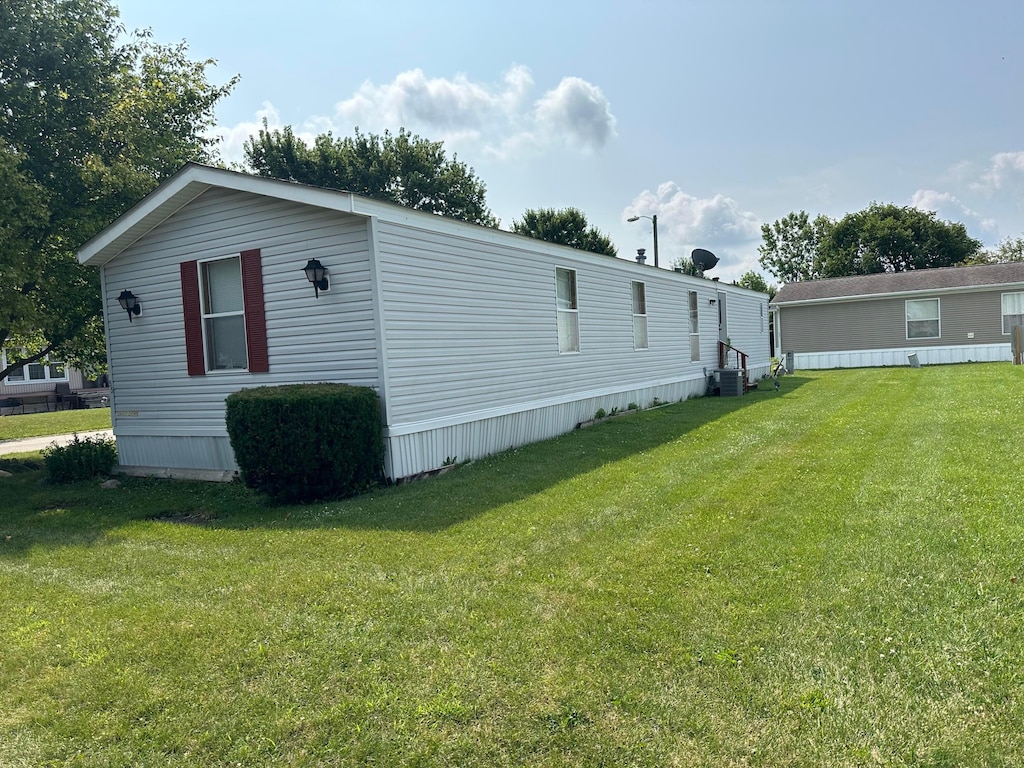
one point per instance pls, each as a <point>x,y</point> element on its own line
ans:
<point>81,459</point>
<point>303,442</point>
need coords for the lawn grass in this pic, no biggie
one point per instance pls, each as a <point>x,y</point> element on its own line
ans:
<point>822,576</point>
<point>53,423</point>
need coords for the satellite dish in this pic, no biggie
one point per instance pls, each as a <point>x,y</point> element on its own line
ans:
<point>703,258</point>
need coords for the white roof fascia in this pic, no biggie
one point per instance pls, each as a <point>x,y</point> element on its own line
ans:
<point>184,187</point>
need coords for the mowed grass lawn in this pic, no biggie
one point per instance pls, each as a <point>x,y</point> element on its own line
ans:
<point>827,576</point>
<point>53,423</point>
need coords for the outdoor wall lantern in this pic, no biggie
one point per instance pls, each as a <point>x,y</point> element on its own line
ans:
<point>129,303</point>
<point>316,273</point>
<point>711,301</point>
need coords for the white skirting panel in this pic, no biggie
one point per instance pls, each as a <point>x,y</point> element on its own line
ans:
<point>414,451</point>
<point>421,451</point>
<point>880,358</point>
<point>176,452</point>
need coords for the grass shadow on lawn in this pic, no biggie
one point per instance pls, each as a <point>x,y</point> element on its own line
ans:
<point>81,513</point>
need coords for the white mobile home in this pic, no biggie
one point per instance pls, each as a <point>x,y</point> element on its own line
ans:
<point>476,339</point>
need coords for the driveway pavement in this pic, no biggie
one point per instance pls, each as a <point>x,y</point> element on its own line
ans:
<point>25,445</point>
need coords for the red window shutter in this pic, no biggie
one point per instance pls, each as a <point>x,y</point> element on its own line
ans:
<point>255,315</point>
<point>193,318</point>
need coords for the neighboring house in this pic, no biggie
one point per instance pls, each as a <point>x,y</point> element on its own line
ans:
<point>476,339</point>
<point>35,386</point>
<point>948,315</point>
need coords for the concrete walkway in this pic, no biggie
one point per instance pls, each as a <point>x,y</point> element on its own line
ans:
<point>28,444</point>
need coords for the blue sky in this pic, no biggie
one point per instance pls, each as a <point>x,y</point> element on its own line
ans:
<point>716,116</point>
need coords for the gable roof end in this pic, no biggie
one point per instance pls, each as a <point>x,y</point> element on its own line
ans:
<point>183,187</point>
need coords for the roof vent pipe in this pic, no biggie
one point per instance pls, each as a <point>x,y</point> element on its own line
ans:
<point>640,258</point>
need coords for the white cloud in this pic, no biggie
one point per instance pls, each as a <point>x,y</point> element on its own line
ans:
<point>500,120</point>
<point>578,112</point>
<point>1005,170</point>
<point>950,208</point>
<point>232,138</point>
<point>686,222</point>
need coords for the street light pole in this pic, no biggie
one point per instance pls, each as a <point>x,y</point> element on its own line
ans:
<point>654,221</point>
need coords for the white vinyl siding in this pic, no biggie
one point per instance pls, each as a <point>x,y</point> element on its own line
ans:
<point>639,292</point>
<point>694,328</point>
<point>223,314</point>
<point>923,319</point>
<point>1012,310</point>
<point>568,311</point>
<point>154,394</point>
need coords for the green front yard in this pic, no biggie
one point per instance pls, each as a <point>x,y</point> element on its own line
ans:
<point>830,575</point>
<point>53,423</point>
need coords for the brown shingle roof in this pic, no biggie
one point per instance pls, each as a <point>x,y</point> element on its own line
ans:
<point>944,278</point>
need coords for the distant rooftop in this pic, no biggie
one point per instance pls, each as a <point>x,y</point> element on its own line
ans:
<point>915,280</point>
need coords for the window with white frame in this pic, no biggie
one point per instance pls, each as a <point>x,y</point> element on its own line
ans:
<point>568,311</point>
<point>639,315</point>
<point>1013,310</point>
<point>923,319</point>
<point>694,328</point>
<point>46,369</point>
<point>223,314</point>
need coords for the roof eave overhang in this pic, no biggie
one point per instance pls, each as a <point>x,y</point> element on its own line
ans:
<point>1016,285</point>
<point>185,186</point>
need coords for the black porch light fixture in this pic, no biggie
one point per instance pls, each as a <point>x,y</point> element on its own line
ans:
<point>129,303</point>
<point>316,273</point>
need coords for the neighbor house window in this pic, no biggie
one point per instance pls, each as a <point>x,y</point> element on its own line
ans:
<point>568,312</point>
<point>694,329</point>
<point>46,369</point>
<point>225,318</point>
<point>1013,310</point>
<point>923,319</point>
<point>639,315</point>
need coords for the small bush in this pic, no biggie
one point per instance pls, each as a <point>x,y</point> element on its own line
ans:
<point>302,442</point>
<point>81,459</point>
<point>601,413</point>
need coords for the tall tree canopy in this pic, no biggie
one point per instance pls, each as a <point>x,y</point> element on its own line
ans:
<point>880,238</point>
<point>403,169</point>
<point>890,238</point>
<point>756,282</point>
<point>1009,249</point>
<point>791,247</point>
<point>88,126</point>
<point>567,226</point>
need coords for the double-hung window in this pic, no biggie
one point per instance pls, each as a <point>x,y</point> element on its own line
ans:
<point>923,319</point>
<point>225,318</point>
<point>1013,311</point>
<point>223,314</point>
<point>568,311</point>
<point>639,315</point>
<point>46,369</point>
<point>694,328</point>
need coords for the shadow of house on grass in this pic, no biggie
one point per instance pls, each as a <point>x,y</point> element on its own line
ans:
<point>55,516</point>
<point>467,491</point>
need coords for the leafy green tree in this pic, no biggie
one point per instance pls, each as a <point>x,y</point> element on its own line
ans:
<point>87,127</point>
<point>685,265</point>
<point>756,282</point>
<point>1009,249</point>
<point>791,247</point>
<point>890,238</point>
<point>567,226</point>
<point>403,169</point>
